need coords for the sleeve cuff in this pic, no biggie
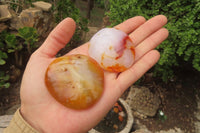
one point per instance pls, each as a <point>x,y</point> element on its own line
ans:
<point>19,125</point>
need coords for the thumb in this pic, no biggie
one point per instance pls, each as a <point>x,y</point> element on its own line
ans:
<point>58,38</point>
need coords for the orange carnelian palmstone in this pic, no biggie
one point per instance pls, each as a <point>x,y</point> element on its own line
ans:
<point>76,81</point>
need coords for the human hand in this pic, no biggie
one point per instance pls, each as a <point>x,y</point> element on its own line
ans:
<point>45,114</point>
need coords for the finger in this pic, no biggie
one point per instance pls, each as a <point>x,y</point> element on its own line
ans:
<point>58,38</point>
<point>130,76</point>
<point>127,26</point>
<point>131,24</point>
<point>148,28</point>
<point>150,43</point>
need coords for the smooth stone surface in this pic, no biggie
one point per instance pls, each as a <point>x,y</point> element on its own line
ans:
<point>112,49</point>
<point>75,81</point>
<point>4,13</point>
<point>45,6</point>
<point>27,18</point>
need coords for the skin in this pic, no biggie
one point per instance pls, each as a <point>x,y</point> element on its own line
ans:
<point>46,115</point>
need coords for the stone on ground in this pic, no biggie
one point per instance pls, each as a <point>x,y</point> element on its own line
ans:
<point>4,13</point>
<point>45,6</point>
<point>142,101</point>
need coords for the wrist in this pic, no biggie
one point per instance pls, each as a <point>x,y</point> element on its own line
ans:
<point>18,124</point>
<point>29,119</point>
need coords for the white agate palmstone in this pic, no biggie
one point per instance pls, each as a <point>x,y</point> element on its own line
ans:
<point>112,49</point>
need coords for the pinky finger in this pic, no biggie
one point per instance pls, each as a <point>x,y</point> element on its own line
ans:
<point>130,76</point>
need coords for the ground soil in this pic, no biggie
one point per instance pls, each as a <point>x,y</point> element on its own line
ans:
<point>9,97</point>
<point>179,102</point>
<point>178,96</point>
<point>113,122</point>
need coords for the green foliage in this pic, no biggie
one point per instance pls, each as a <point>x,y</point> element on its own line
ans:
<point>4,80</point>
<point>11,43</point>
<point>3,54</point>
<point>66,8</point>
<point>10,40</point>
<point>29,34</point>
<point>183,43</point>
<point>100,3</point>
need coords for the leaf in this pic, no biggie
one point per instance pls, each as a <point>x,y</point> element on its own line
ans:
<point>2,62</point>
<point>1,45</point>
<point>11,40</point>
<point>6,78</point>
<point>1,74</point>
<point>10,50</point>
<point>6,85</point>
<point>3,55</point>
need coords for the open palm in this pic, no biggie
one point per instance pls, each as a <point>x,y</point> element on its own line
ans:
<point>45,114</point>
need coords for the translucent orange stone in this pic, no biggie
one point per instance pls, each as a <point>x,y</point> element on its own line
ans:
<point>75,81</point>
<point>112,49</point>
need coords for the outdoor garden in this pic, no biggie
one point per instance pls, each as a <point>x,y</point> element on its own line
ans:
<point>172,86</point>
